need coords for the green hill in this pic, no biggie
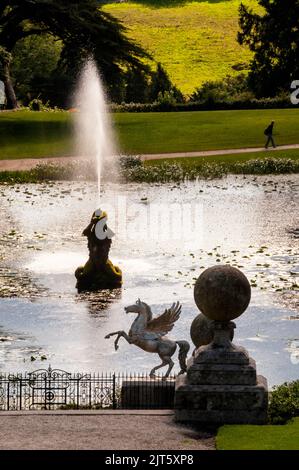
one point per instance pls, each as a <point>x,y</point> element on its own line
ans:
<point>195,41</point>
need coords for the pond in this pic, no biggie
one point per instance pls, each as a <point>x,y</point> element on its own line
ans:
<point>166,235</point>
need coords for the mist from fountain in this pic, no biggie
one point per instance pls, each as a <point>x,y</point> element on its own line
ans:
<point>94,137</point>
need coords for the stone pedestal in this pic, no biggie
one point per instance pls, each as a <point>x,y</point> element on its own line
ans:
<point>221,386</point>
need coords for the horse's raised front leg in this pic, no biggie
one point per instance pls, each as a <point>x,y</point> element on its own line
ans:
<point>113,334</point>
<point>120,334</point>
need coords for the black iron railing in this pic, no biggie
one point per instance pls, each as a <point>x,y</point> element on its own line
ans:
<point>52,389</point>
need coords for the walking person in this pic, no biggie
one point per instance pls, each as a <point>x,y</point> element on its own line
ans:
<point>269,133</point>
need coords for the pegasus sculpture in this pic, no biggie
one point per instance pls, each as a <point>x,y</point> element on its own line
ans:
<point>148,333</point>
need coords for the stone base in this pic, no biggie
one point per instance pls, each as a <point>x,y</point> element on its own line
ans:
<point>147,393</point>
<point>216,355</point>
<point>220,404</point>
<point>219,374</point>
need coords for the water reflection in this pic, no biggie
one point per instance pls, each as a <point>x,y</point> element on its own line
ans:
<point>98,303</point>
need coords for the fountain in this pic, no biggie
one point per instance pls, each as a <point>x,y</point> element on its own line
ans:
<point>93,130</point>
<point>94,141</point>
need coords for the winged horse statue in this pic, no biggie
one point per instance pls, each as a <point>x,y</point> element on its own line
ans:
<point>148,333</point>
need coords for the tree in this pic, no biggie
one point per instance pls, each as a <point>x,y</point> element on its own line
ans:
<point>81,25</point>
<point>34,68</point>
<point>5,62</point>
<point>229,88</point>
<point>161,83</point>
<point>136,90</point>
<point>273,37</point>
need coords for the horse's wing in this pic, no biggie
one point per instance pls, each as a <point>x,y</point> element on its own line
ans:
<point>165,322</point>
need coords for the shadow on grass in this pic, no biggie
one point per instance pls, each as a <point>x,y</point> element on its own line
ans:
<point>33,129</point>
<point>163,3</point>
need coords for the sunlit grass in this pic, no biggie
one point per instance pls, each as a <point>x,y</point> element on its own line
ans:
<point>259,437</point>
<point>195,41</point>
<point>142,133</point>
<point>26,134</point>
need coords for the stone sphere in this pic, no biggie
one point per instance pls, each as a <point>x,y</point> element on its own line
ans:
<point>202,331</point>
<point>222,293</point>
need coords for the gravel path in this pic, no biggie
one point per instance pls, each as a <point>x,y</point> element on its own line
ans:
<point>29,163</point>
<point>46,431</point>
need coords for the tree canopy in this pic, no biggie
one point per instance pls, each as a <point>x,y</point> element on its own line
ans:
<point>34,66</point>
<point>81,25</point>
<point>274,39</point>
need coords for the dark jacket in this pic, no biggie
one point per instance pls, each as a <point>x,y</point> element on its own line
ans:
<point>269,130</point>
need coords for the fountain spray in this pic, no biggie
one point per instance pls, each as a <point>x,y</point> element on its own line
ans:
<point>93,128</point>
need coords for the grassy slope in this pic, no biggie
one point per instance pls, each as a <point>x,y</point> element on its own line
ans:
<point>27,134</point>
<point>259,437</point>
<point>195,41</point>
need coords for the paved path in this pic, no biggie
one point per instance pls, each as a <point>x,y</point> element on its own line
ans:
<point>29,163</point>
<point>210,153</point>
<point>108,430</point>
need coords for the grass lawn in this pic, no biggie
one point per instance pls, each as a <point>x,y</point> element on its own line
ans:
<point>247,437</point>
<point>194,40</point>
<point>25,134</point>
<point>203,130</point>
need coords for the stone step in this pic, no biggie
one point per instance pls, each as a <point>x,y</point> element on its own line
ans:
<point>222,374</point>
<point>212,355</point>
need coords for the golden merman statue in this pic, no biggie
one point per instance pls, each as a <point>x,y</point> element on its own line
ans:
<point>99,272</point>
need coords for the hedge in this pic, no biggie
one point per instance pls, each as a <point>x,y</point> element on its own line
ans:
<point>265,103</point>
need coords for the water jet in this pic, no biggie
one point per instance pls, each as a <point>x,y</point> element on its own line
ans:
<point>95,141</point>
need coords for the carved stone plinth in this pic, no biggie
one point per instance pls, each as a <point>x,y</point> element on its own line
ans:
<point>219,404</point>
<point>221,386</point>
